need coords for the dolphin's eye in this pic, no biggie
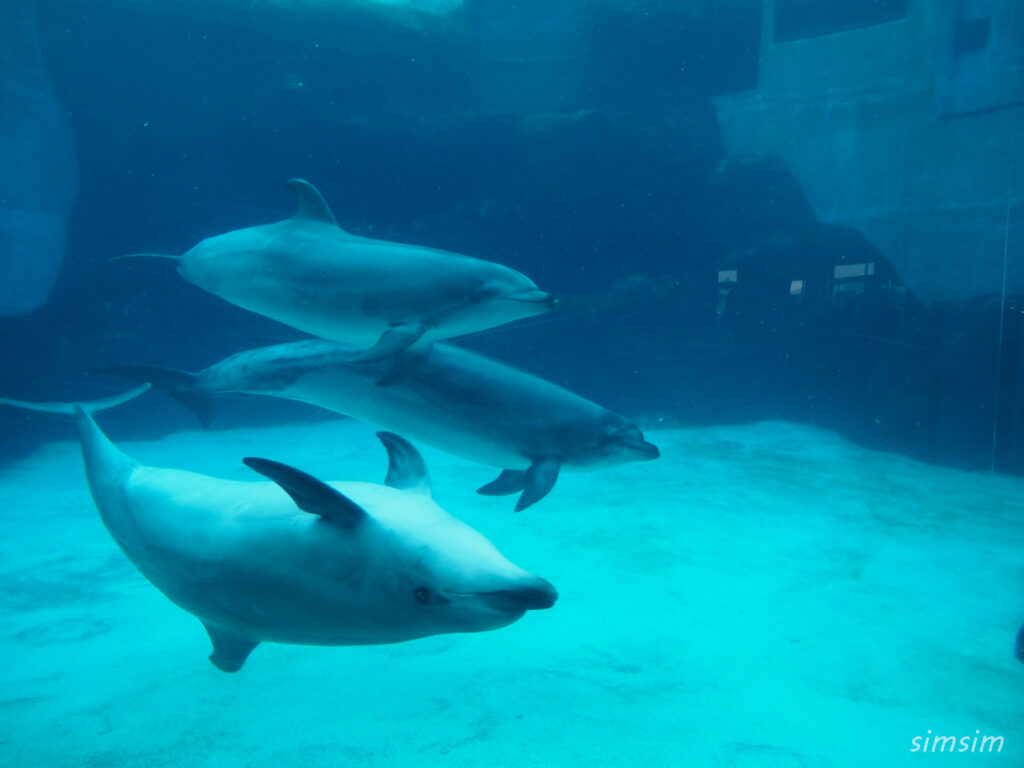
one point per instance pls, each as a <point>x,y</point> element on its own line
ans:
<point>483,293</point>
<point>425,596</point>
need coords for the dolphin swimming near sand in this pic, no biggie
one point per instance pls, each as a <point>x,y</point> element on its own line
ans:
<point>458,401</point>
<point>1019,650</point>
<point>298,560</point>
<point>395,298</point>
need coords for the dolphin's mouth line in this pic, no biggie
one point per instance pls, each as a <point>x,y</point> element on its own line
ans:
<point>647,450</point>
<point>514,600</point>
<point>532,297</point>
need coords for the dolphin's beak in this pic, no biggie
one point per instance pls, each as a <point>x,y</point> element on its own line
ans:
<point>539,595</point>
<point>534,297</point>
<point>649,450</point>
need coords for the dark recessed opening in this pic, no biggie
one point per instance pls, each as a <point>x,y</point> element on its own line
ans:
<point>970,35</point>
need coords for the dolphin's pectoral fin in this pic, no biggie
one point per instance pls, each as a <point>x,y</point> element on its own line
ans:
<point>540,479</point>
<point>394,341</point>
<point>509,481</point>
<point>535,482</point>
<point>1019,652</point>
<point>406,364</point>
<point>230,650</point>
<point>312,206</point>
<point>406,469</point>
<point>309,494</point>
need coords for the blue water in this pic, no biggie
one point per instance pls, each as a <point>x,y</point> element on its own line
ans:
<point>786,238</point>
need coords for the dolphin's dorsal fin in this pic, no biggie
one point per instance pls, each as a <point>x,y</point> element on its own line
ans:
<point>406,469</point>
<point>309,494</point>
<point>230,650</point>
<point>311,203</point>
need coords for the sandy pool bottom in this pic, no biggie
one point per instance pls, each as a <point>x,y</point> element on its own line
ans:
<point>762,595</point>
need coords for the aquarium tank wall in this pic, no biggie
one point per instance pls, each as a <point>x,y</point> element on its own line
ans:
<point>786,241</point>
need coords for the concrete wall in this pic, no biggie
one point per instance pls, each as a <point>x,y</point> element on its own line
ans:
<point>862,119</point>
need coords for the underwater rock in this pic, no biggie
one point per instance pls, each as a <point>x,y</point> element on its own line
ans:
<point>584,197</point>
<point>811,281</point>
<point>749,198</point>
<point>526,54</point>
<point>785,276</point>
<point>900,119</point>
<point>651,52</point>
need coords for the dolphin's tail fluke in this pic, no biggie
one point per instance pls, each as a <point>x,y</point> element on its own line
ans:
<point>180,385</point>
<point>104,462</point>
<point>71,409</point>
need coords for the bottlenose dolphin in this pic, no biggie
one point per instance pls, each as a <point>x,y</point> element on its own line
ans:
<point>298,560</point>
<point>392,297</point>
<point>458,401</point>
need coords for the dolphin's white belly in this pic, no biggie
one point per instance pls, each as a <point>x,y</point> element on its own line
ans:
<point>242,556</point>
